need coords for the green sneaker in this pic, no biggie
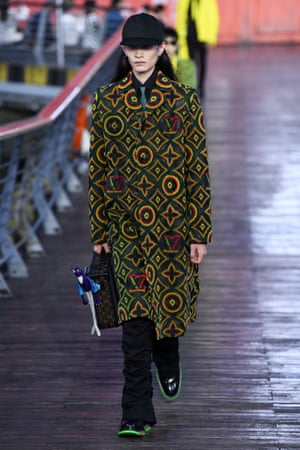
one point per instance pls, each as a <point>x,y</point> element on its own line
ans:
<point>133,428</point>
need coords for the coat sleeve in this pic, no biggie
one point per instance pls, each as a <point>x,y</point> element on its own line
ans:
<point>197,177</point>
<point>181,26</point>
<point>207,21</point>
<point>97,165</point>
<point>206,16</point>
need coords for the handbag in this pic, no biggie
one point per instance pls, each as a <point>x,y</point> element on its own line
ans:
<point>101,271</point>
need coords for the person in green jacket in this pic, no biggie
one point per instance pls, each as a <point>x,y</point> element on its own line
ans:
<point>185,69</point>
<point>149,200</point>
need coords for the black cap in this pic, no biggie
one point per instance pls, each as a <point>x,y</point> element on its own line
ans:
<point>142,29</point>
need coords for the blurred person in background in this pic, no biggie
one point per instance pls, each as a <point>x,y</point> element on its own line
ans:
<point>92,35</point>
<point>9,33</point>
<point>158,11</point>
<point>40,26</point>
<point>146,8</point>
<point>71,28</point>
<point>197,25</point>
<point>185,69</point>
<point>20,13</point>
<point>114,17</point>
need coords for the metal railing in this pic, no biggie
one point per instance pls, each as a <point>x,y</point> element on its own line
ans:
<point>38,168</point>
<point>50,32</point>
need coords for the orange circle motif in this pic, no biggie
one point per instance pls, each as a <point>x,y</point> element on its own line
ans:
<point>114,126</point>
<point>143,156</point>
<point>147,215</point>
<point>170,185</point>
<point>172,302</point>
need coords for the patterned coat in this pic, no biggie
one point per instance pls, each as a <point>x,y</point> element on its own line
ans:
<point>149,195</point>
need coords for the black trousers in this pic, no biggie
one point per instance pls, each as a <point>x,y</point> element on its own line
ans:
<point>139,347</point>
<point>200,58</point>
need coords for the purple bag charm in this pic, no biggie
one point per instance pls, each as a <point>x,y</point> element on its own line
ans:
<point>88,290</point>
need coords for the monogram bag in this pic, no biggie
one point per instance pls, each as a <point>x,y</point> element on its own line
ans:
<point>102,272</point>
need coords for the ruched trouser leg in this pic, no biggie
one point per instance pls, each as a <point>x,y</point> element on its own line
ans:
<point>137,342</point>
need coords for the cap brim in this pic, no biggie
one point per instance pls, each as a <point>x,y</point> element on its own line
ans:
<point>135,42</point>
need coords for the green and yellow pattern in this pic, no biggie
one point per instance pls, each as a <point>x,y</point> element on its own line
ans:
<point>149,195</point>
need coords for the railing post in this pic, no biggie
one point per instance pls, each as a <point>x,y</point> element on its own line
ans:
<point>4,289</point>
<point>15,264</point>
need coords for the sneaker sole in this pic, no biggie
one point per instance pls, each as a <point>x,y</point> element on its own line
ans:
<point>132,433</point>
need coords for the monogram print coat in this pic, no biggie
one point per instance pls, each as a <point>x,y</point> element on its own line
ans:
<point>149,195</point>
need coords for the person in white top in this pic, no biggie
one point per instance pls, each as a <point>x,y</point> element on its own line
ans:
<point>92,35</point>
<point>71,30</point>
<point>9,33</point>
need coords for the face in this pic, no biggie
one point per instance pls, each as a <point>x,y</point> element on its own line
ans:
<point>143,59</point>
<point>171,46</point>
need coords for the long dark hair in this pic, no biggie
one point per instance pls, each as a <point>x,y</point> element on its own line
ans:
<point>163,64</point>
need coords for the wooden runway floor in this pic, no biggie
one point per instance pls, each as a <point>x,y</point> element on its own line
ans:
<point>60,387</point>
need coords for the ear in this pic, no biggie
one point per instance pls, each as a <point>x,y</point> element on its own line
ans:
<point>123,47</point>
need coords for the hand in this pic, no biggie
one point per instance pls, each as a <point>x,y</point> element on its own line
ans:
<point>197,253</point>
<point>98,248</point>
